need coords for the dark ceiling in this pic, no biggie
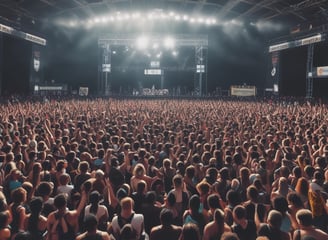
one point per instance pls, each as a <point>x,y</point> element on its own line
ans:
<point>289,12</point>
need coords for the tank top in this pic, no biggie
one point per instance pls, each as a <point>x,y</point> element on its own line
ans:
<point>69,235</point>
<point>15,222</point>
<point>98,236</point>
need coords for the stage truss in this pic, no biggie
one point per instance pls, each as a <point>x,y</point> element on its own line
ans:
<point>315,36</point>
<point>198,42</point>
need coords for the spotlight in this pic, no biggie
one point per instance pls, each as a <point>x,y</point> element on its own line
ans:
<point>200,20</point>
<point>72,24</point>
<point>127,16</point>
<point>150,16</point>
<point>185,17</point>
<point>177,18</point>
<point>142,42</point>
<point>169,42</point>
<point>155,46</point>
<point>175,53</point>
<point>136,15</point>
<point>96,20</point>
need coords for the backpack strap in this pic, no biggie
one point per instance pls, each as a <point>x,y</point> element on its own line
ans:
<point>298,234</point>
<point>122,221</point>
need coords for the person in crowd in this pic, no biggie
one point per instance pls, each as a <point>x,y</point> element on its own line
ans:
<point>5,232</point>
<point>215,229</point>
<point>272,228</point>
<point>166,230</point>
<point>306,228</point>
<point>295,204</point>
<point>151,211</point>
<point>127,216</point>
<point>139,196</point>
<point>190,231</point>
<point>281,205</point>
<point>92,233</point>
<point>17,210</point>
<point>82,176</point>
<point>35,223</point>
<point>181,196</point>
<point>62,224</point>
<point>195,213</point>
<point>139,174</point>
<point>98,210</point>
<point>64,185</point>
<point>244,228</point>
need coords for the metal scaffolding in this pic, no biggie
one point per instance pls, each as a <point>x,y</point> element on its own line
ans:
<point>198,42</point>
<point>309,72</point>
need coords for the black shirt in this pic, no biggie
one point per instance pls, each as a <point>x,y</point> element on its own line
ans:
<point>249,233</point>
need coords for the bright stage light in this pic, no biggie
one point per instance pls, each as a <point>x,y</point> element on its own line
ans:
<point>156,14</point>
<point>169,42</point>
<point>142,42</point>
<point>175,53</point>
<point>200,20</point>
<point>150,16</point>
<point>177,18</point>
<point>136,15</point>
<point>155,46</point>
<point>72,24</point>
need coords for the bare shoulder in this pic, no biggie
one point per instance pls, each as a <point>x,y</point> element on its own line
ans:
<point>51,216</point>
<point>175,227</point>
<point>105,235</point>
<point>81,236</point>
<point>156,228</point>
<point>227,228</point>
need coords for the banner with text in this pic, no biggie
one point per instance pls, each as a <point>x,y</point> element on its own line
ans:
<point>243,91</point>
<point>36,66</point>
<point>322,71</point>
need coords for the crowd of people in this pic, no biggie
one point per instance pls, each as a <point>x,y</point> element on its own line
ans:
<point>130,169</point>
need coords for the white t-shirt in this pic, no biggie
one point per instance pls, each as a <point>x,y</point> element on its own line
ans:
<point>66,189</point>
<point>136,223</point>
<point>102,210</point>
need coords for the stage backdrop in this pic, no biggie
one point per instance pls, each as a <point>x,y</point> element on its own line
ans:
<point>36,67</point>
